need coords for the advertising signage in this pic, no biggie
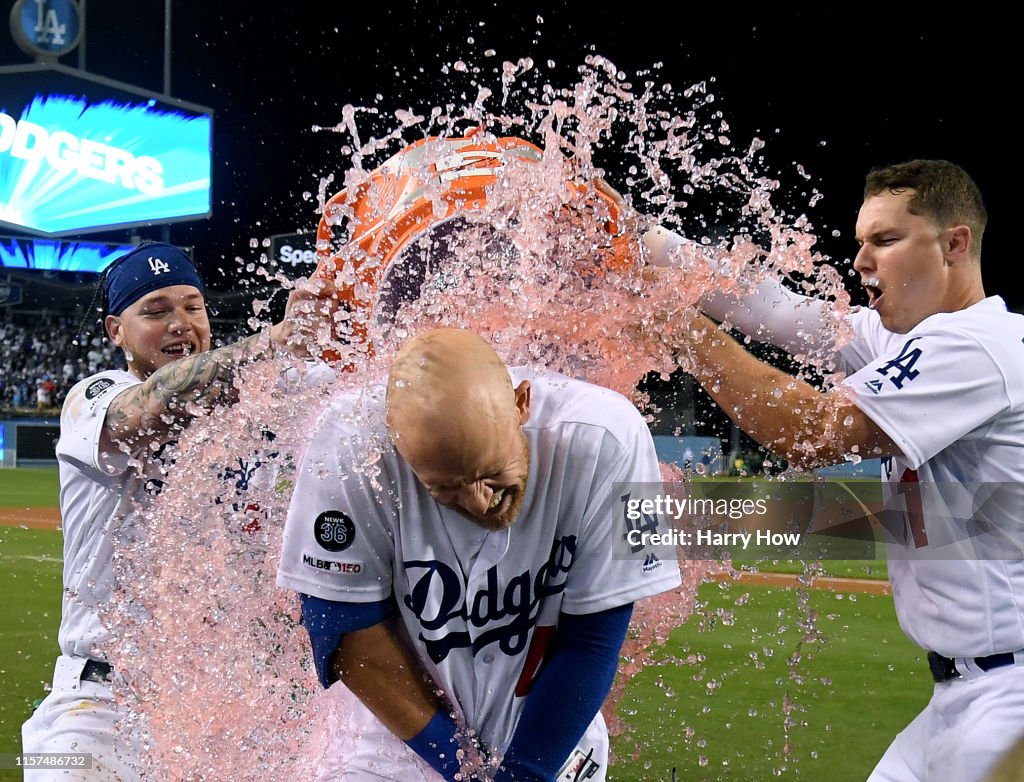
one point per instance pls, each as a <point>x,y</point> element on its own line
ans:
<point>297,251</point>
<point>80,153</point>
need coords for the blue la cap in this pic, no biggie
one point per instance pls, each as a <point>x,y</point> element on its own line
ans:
<point>147,268</point>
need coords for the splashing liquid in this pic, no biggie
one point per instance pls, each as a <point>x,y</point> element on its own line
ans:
<point>216,678</point>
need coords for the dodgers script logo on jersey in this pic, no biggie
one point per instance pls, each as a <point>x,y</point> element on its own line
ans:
<point>908,525</point>
<point>437,597</point>
<point>238,479</point>
<point>903,518</point>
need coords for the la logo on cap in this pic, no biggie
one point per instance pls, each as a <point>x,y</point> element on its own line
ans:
<point>158,266</point>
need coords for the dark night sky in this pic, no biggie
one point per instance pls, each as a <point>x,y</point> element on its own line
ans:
<point>837,89</point>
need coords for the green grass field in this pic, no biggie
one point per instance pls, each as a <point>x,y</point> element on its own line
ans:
<point>32,487</point>
<point>741,708</point>
<point>760,704</point>
<point>30,595</point>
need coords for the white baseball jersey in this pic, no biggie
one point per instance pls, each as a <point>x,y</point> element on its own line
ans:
<point>97,490</point>
<point>96,487</point>
<point>481,606</point>
<point>950,394</point>
<point>100,496</point>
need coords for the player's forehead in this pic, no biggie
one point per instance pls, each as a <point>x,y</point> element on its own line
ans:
<point>883,210</point>
<point>173,295</point>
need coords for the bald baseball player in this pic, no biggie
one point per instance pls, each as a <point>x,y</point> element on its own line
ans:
<point>112,427</point>
<point>935,388</point>
<point>453,537</point>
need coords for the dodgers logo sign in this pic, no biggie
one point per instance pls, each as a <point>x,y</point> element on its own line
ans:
<point>79,153</point>
<point>450,617</point>
<point>47,28</point>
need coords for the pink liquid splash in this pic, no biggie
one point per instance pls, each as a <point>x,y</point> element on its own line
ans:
<point>216,675</point>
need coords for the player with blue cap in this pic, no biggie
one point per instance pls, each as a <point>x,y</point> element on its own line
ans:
<point>147,268</point>
<point>154,304</point>
<point>112,429</point>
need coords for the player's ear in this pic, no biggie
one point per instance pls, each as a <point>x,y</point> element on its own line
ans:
<point>957,243</point>
<point>112,323</point>
<point>522,392</point>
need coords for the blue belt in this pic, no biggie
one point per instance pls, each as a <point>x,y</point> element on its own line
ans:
<point>944,668</point>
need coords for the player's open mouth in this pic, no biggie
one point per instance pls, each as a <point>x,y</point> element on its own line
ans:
<point>497,501</point>
<point>874,292</point>
<point>180,349</point>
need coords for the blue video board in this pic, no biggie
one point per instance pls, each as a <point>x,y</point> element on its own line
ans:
<point>79,153</point>
<point>59,256</point>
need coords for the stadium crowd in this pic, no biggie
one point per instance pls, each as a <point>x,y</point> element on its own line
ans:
<point>44,354</point>
<point>41,359</point>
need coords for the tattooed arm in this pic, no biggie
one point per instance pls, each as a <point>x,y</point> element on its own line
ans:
<point>178,392</point>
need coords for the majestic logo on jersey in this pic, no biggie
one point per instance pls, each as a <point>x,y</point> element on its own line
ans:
<point>651,562</point>
<point>97,387</point>
<point>903,365</point>
<point>874,386</point>
<point>334,530</point>
<point>504,616</point>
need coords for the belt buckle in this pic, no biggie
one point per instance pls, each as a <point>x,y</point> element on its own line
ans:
<point>943,668</point>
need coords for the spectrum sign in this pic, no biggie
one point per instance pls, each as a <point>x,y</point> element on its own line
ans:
<point>81,153</point>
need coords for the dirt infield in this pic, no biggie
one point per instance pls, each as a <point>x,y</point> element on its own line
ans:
<point>33,518</point>
<point>870,586</point>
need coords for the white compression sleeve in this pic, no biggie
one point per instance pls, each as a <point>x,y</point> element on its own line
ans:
<point>771,313</point>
